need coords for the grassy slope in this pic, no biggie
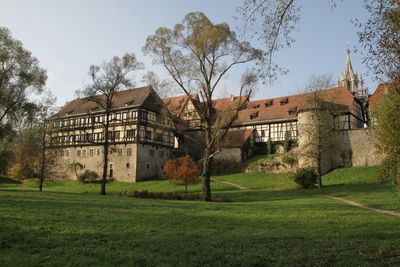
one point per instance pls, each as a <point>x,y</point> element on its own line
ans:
<point>276,227</point>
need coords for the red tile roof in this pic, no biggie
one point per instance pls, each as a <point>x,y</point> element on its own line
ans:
<point>376,97</point>
<point>285,108</point>
<point>224,103</point>
<point>143,97</point>
<point>176,104</point>
<point>237,138</point>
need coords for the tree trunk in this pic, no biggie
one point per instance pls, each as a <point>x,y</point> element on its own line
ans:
<point>42,169</point>
<point>319,160</point>
<point>186,185</point>
<point>206,174</point>
<point>105,156</point>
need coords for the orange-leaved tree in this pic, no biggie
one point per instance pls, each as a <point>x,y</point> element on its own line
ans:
<point>181,171</point>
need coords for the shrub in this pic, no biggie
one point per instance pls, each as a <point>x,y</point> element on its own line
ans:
<point>181,171</point>
<point>88,176</point>
<point>171,196</point>
<point>306,177</point>
<point>290,160</point>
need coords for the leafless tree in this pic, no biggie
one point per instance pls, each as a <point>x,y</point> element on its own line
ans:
<point>319,112</point>
<point>198,54</point>
<point>106,81</point>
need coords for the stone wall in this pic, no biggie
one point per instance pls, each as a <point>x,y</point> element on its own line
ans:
<point>150,160</point>
<point>340,148</point>
<point>229,155</point>
<point>139,165</point>
<point>357,148</point>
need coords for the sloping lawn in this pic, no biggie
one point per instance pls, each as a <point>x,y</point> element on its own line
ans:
<point>266,225</point>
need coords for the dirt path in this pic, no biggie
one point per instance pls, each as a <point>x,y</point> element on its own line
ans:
<point>361,206</point>
<point>232,184</point>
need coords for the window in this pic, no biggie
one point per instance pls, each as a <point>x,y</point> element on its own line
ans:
<point>161,154</point>
<point>67,153</point>
<point>147,135</point>
<point>130,134</point>
<point>159,137</point>
<point>114,136</point>
<point>254,115</point>
<point>98,119</point>
<point>130,103</point>
<point>119,151</point>
<point>94,109</point>
<point>284,101</point>
<point>292,110</point>
<point>129,151</point>
<point>143,115</point>
<point>151,152</point>
<point>127,165</point>
<point>257,106</point>
<point>117,135</point>
<point>91,152</point>
<point>124,116</point>
<point>269,103</point>
<point>118,117</point>
<point>134,115</point>
<point>148,166</point>
<point>78,153</point>
<point>84,153</point>
<point>98,152</point>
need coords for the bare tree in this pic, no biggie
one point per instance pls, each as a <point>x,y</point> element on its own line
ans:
<point>164,88</point>
<point>198,54</point>
<point>107,80</point>
<point>317,117</point>
<point>48,156</point>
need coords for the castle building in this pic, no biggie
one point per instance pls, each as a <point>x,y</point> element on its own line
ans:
<point>141,135</point>
<point>146,131</point>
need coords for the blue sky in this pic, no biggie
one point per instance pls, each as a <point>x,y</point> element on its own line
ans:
<point>67,36</point>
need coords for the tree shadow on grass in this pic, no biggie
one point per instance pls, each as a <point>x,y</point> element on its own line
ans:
<point>6,180</point>
<point>298,193</point>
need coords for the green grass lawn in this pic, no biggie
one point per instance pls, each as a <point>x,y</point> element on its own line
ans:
<point>268,224</point>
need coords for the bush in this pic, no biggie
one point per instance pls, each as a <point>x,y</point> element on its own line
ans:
<point>306,177</point>
<point>290,160</point>
<point>170,196</point>
<point>88,176</point>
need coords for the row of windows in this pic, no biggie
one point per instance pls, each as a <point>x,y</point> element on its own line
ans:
<point>276,131</point>
<point>93,137</point>
<point>115,136</point>
<point>98,152</point>
<point>114,118</point>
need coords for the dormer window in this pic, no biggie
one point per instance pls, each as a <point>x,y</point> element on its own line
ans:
<point>69,112</point>
<point>94,109</point>
<point>269,103</point>
<point>257,106</point>
<point>284,101</point>
<point>292,110</point>
<point>254,115</point>
<point>130,103</point>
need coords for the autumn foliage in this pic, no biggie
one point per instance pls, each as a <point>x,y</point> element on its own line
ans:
<point>181,171</point>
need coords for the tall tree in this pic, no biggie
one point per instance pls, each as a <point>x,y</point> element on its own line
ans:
<point>106,80</point>
<point>198,54</point>
<point>20,74</point>
<point>316,130</point>
<point>380,36</point>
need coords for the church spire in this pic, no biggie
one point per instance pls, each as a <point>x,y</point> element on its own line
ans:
<point>349,68</point>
